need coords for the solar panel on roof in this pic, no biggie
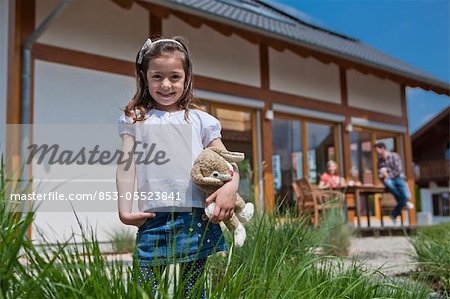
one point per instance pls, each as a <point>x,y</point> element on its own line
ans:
<point>258,9</point>
<point>286,9</point>
<point>300,16</point>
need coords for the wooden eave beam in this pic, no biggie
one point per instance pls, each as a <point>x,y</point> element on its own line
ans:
<point>126,4</point>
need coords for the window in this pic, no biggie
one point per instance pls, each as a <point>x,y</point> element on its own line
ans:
<point>321,149</point>
<point>300,148</point>
<point>238,135</point>
<point>441,205</point>
<point>363,158</point>
<point>361,155</point>
<point>389,139</point>
<point>287,159</point>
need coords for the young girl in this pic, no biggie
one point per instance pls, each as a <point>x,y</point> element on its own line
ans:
<point>330,179</point>
<point>165,95</point>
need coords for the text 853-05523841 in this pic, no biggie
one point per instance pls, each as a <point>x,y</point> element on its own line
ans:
<point>156,196</point>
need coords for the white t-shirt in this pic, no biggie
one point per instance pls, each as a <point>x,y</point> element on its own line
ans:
<point>204,128</point>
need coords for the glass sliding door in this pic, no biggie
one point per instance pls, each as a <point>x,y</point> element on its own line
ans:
<point>287,159</point>
<point>300,148</point>
<point>321,149</point>
<point>391,141</point>
<point>238,135</point>
<point>362,157</point>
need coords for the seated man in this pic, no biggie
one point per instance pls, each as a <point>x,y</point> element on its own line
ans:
<point>331,179</point>
<point>390,173</point>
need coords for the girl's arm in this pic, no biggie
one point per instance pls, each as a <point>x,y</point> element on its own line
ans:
<point>323,184</point>
<point>225,196</point>
<point>125,185</point>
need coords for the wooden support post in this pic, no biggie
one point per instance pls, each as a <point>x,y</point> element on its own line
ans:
<point>409,171</point>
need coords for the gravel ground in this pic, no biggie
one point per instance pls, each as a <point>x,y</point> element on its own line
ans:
<point>393,255</point>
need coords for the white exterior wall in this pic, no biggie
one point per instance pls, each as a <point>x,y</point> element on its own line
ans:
<point>372,93</point>
<point>70,95</point>
<point>427,202</point>
<point>291,73</point>
<point>215,55</point>
<point>99,27</point>
<point>4,19</point>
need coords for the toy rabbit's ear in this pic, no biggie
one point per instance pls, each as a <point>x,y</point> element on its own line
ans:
<point>196,174</point>
<point>232,156</point>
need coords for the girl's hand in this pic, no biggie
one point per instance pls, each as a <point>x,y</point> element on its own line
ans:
<point>225,199</point>
<point>136,219</point>
<point>225,196</point>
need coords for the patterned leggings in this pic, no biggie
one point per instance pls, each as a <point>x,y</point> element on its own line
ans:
<point>191,272</point>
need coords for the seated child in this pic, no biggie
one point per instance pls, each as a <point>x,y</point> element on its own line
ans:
<point>330,179</point>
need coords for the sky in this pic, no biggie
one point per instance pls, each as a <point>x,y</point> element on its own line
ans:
<point>414,31</point>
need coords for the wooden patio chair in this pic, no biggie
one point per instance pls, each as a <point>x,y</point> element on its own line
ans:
<point>388,203</point>
<point>312,200</point>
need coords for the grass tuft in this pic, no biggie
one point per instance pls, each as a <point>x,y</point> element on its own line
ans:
<point>432,245</point>
<point>122,241</point>
<point>336,234</point>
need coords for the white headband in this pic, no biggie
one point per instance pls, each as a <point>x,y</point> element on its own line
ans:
<point>148,43</point>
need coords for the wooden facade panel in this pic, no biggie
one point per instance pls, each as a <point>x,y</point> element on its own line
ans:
<point>291,73</point>
<point>366,91</point>
<point>99,27</point>
<point>21,24</point>
<point>215,55</point>
<point>83,60</point>
<point>266,132</point>
<point>4,10</point>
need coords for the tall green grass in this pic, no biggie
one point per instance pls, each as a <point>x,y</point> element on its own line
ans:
<point>432,245</point>
<point>278,261</point>
<point>335,232</point>
<point>13,230</point>
<point>122,240</point>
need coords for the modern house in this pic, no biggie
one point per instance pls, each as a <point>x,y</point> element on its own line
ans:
<point>431,156</point>
<point>289,94</point>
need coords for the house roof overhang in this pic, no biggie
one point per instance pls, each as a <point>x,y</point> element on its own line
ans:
<point>410,78</point>
<point>442,119</point>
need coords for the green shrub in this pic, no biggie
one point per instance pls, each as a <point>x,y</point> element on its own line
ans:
<point>279,260</point>
<point>436,231</point>
<point>122,241</point>
<point>336,234</point>
<point>432,245</point>
<point>13,237</point>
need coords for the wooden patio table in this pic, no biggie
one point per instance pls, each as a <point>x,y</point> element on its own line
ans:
<point>357,191</point>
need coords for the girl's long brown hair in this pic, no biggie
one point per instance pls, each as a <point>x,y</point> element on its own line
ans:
<point>142,101</point>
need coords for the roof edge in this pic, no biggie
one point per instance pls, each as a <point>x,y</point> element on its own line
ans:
<point>437,118</point>
<point>427,83</point>
<point>317,27</point>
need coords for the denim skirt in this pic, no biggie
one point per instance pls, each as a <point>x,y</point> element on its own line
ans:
<point>177,237</point>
